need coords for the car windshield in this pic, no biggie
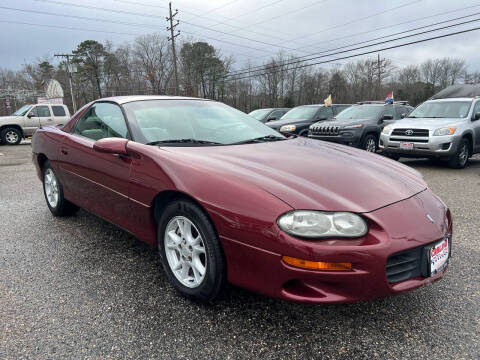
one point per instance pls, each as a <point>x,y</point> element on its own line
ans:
<point>194,122</point>
<point>301,112</point>
<point>22,111</point>
<point>259,114</point>
<point>441,109</point>
<point>360,112</point>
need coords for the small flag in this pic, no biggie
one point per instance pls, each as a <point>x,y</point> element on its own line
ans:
<point>389,98</point>
<point>328,101</point>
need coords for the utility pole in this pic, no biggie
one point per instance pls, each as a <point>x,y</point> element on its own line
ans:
<point>379,70</point>
<point>172,38</point>
<point>67,56</point>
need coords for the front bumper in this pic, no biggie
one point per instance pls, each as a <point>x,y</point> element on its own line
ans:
<point>433,146</point>
<point>350,138</point>
<point>263,270</point>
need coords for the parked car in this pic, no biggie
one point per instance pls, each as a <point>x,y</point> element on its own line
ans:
<point>23,122</point>
<point>360,125</point>
<point>447,127</point>
<point>225,198</point>
<point>266,115</point>
<point>298,119</point>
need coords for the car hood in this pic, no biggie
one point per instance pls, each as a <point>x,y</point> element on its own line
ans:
<point>422,123</point>
<point>281,122</point>
<point>343,122</point>
<point>310,174</point>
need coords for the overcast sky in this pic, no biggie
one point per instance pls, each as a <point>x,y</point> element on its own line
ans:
<point>249,30</point>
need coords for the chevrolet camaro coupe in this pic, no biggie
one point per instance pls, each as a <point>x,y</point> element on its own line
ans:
<point>224,198</point>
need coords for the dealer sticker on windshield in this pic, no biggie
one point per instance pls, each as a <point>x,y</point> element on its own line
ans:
<point>406,145</point>
<point>439,256</point>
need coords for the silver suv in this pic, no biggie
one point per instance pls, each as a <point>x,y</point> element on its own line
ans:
<point>443,128</point>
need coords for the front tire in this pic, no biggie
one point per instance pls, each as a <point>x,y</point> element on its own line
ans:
<point>11,136</point>
<point>460,158</point>
<point>370,143</point>
<point>53,191</point>
<point>191,253</point>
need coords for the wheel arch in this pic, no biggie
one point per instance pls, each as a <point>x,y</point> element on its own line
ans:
<point>41,160</point>
<point>469,136</point>
<point>16,126</point>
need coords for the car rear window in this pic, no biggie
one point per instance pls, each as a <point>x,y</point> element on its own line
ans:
<point>58,111</point>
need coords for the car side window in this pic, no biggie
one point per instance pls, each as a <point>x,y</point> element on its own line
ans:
<point>40,111</point>
<point>389,111</point>
<point>324,113</point>
<point>339,109</point>
<point>102,120</point>
<point>476,108</point>
<point>58,111</point>
<point>276,114</point>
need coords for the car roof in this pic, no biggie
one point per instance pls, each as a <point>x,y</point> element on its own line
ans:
<point>451,99</point>
<point>131,98</point>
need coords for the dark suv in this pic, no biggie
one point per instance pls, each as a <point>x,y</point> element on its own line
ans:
<point>270,114</point>
<point>298,119</point>
<point>361,124</point>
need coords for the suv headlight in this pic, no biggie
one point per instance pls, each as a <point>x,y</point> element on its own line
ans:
<point>356,126</point>
<point>319,224</point>
<point>445,131</point>
<point>288,128</point>
<point>387,130</point>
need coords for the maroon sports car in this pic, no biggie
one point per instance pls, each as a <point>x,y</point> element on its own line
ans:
<point>227,199</point>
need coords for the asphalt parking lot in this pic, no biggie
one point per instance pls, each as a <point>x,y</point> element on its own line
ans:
<point>81,288</point>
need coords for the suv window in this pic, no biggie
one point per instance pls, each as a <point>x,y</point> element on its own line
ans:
<point>58,111</point>
<point>276,114</point>
<point>389,111</point>
<point>338,109</point>
<point>476,109</point>
<point>41,111</point>
<point>325,112</point>
<point>102,120</point>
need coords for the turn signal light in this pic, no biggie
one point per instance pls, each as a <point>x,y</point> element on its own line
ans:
<point>317,265</point>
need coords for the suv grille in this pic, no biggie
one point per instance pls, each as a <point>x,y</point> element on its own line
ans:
<point>325,130</point>
<point>410,132</point>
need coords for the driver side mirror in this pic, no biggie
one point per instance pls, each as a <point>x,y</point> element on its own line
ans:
<point>272,118</point>
<point>476,116</point>
<point>30,115</point>
<point>116,146</point>
<point>387,117</point>
<point>403,115</point>
<point>321,118</point>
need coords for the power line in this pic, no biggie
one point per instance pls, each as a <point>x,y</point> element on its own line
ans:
<point>157,17</point>
<point>312,56</point>
<point>366,53</point>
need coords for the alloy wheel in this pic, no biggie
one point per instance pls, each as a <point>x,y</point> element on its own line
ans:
<point>185,251</point>
<point>11,137</point>
<point>371,145</point>
<point>463,156</point>
<point>51,187</point>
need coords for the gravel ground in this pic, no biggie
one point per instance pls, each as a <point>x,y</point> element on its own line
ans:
<point>81,288</point>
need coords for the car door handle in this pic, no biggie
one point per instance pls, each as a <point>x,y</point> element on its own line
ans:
<point>49,119</point>
<point>64,150</point>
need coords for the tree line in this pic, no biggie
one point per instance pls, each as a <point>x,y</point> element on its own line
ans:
<point>145,66</point>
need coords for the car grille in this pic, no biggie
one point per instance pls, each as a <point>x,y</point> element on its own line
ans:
<point>410,132</point>
<point>325,130</point>
<point>410,263</point>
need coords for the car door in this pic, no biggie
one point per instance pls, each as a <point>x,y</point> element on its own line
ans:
<point>44,115</point>
<point>93,180</point>
<point>59,115</point>
<point>476,127</point>
<point>31,121</point>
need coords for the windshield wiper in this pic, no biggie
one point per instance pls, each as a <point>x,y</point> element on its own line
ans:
<point>184,141</point>
<point>260,139</point>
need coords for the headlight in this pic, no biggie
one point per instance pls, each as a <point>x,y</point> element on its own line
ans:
<point>356,126</point>
<point>387,130</point>
<point>445,131</point>
<point>288,128</point>
<point>318,224</point>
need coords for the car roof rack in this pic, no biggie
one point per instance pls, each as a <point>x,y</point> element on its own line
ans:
<point>400,102</point>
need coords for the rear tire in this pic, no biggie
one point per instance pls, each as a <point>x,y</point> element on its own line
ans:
<point>460,158</point>
<point>191,253</point>
<point>11,136</point>
<point>53,191</point>
<point>370,143</point>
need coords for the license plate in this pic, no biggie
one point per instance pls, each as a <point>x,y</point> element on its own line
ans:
<point>439,256</point>
<point>406,145</point>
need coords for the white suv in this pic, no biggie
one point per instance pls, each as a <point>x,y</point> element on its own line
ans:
<point>22,123</point>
